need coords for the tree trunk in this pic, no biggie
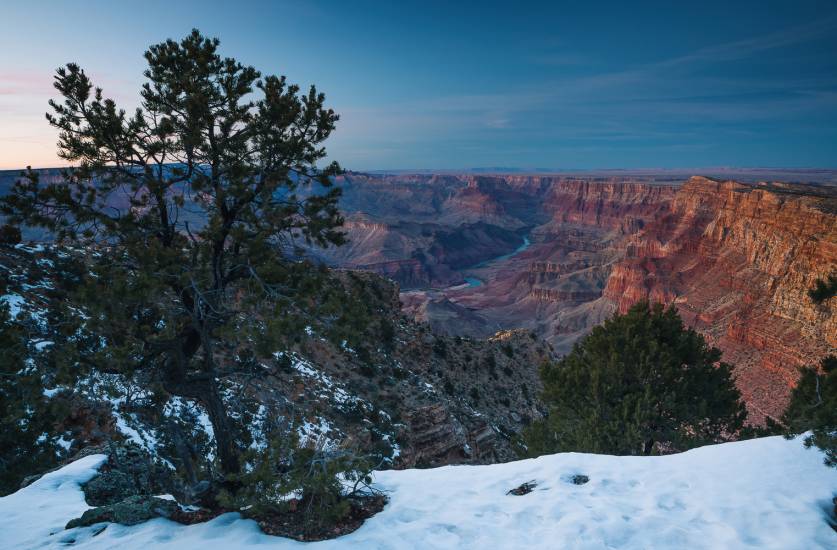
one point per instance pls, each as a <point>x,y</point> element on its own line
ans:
<point>225,439</point>
<point>205,391</point>
<point>224,432</point>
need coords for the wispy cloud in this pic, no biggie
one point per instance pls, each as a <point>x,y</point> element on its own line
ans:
<point>20,83</point>
<point>676,103</point>
<point>748,47</point>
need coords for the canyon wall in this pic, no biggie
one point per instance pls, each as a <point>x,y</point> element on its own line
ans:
<point>736,259</point>
<point>622,206</point>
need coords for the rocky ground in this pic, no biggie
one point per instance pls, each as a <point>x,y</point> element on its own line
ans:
<point>409,396</point>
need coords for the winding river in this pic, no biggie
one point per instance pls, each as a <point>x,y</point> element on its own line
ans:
<point>475,281</point>
<point>514,252</point>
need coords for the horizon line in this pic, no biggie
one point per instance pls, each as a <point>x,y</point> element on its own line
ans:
<point>536,170</point>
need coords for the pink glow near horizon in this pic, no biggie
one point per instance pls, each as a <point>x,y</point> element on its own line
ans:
<point>25,136</point>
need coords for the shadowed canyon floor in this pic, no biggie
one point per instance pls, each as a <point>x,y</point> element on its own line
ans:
<point>475,254</point>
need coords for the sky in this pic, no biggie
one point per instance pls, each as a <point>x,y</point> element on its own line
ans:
<point>457,85</point>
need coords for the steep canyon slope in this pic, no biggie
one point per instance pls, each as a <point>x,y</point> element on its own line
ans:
<point>395,391</point>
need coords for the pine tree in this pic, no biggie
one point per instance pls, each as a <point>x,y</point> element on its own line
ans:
<point>813,406</point>
<point>26,417</point>
<point>188,207</point>
<point>824,289</point>
<point>639,383</point>
<point>813,402</point>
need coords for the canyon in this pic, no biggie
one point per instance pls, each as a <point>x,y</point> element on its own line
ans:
<point>482,258</point>
<point>557,254</point>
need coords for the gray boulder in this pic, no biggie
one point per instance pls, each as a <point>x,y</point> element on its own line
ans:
<point>128,472</point>
<point>132,510</point>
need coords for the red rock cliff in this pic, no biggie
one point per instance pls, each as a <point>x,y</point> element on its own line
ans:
<point>738,261</point>
<point>608,205</point>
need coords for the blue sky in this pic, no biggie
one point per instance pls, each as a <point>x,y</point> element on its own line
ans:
<point>453,85</point>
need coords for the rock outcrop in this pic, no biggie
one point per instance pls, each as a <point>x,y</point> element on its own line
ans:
<point>131,511</point>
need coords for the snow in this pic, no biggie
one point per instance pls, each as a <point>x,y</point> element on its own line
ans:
<point>257,429</point>
<point>15,303</point>
<point>316,434</point>
<point>64,443</point>
<point>331,390</point>
<point>144,439</point>
<point>764,493</point>
<point>34,517</point>
<point>41,345</point>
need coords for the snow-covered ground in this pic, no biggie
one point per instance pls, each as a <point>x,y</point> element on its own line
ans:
<point>765,493</point>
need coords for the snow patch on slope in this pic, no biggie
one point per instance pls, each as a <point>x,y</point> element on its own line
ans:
<point>34,517</point>
<point>328,388</point>
<point>764,493</point>
<point>15,303</point>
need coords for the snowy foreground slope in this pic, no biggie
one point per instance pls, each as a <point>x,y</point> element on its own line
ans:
<point>765,493</point>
